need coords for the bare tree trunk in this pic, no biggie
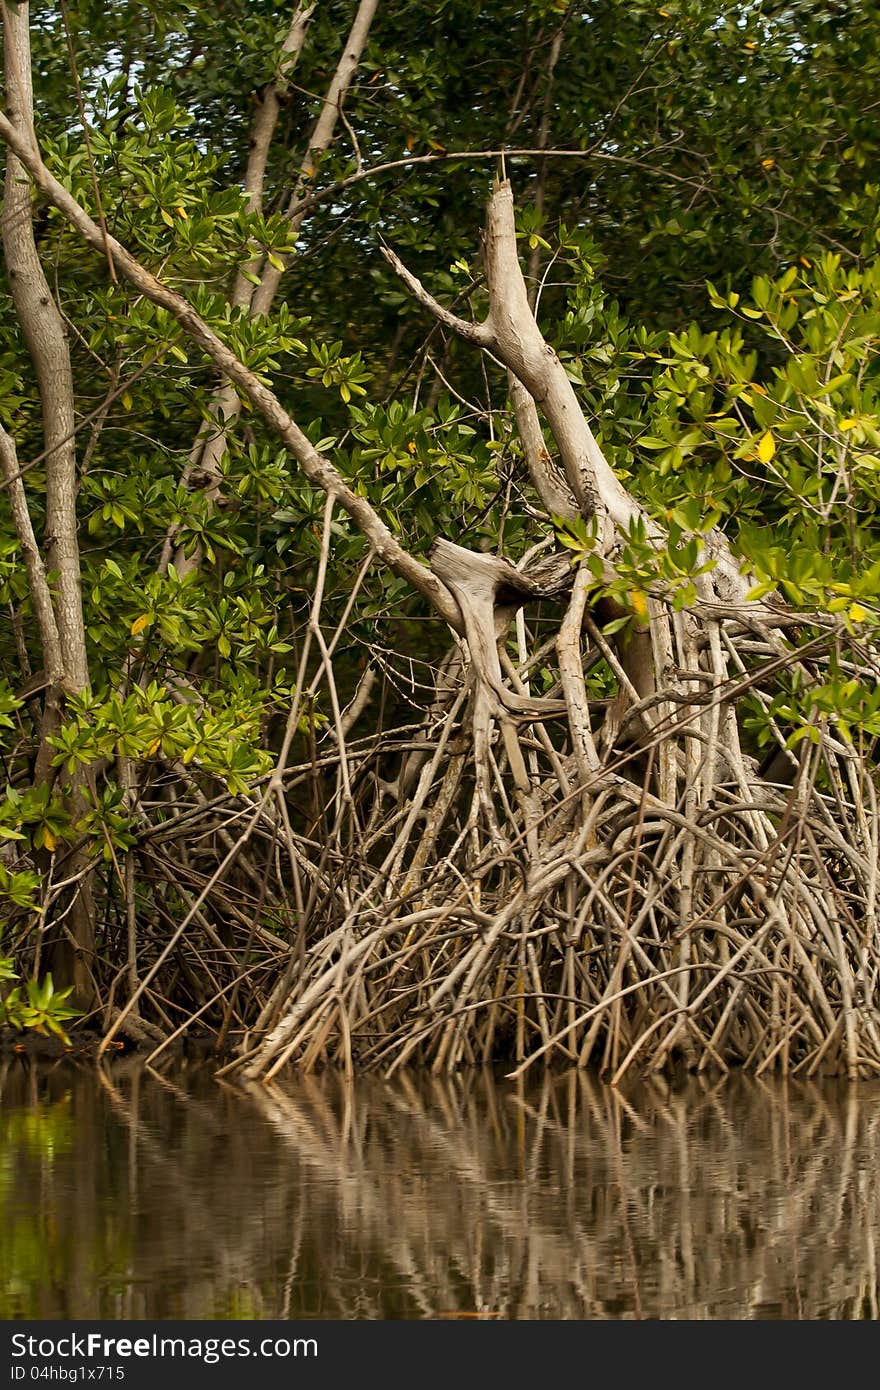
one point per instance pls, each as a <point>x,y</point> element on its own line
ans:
<point>41,598</point>
<point>225,407</point>
<point>319,141</point>
<point>41,595</point>
<point>44,332</point>
<point>262,131</point>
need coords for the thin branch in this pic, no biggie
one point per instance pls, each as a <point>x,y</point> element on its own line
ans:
<point>479,333</point>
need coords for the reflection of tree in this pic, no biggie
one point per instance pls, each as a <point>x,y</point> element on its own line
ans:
<point>29,1248</point>
<point>426,1197</point>
<point>574,1201</point>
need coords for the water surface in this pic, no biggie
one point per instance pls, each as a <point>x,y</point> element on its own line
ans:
<point>125,1194</point>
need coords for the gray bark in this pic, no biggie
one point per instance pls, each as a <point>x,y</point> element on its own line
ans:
<point>225,407</point>
<point>64,640</point>
<point>43,329</point>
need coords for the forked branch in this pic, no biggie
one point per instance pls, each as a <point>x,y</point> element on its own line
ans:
<point>318,470</point>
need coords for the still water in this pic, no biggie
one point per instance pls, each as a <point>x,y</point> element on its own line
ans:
<point>126,1194</point>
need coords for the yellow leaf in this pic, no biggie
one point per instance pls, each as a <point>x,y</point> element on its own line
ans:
<point>139,624</point>
<point>768,163</point>
<point>857,613</point>
<point>126,399</point>
<point>750,46</point>
<point>804,261</point>
<point>154,747</point>
<point>766,447</point>
<point>848,424</point>
<point>49,841</point>
<point>639,601</point>
<point>182,213</point>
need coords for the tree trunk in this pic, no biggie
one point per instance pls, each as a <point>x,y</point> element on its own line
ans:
<point>44,332</point>
<point>225,408</point>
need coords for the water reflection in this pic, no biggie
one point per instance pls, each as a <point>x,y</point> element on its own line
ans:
<point>133,1195</point>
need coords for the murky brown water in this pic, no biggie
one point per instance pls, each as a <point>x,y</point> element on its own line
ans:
<point>128,1195</point>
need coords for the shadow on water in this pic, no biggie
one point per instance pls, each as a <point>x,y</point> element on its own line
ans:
<point>126,1194</point>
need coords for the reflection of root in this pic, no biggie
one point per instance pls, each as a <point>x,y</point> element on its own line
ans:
<point>583,1228</point>
<point>552,1197</point>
